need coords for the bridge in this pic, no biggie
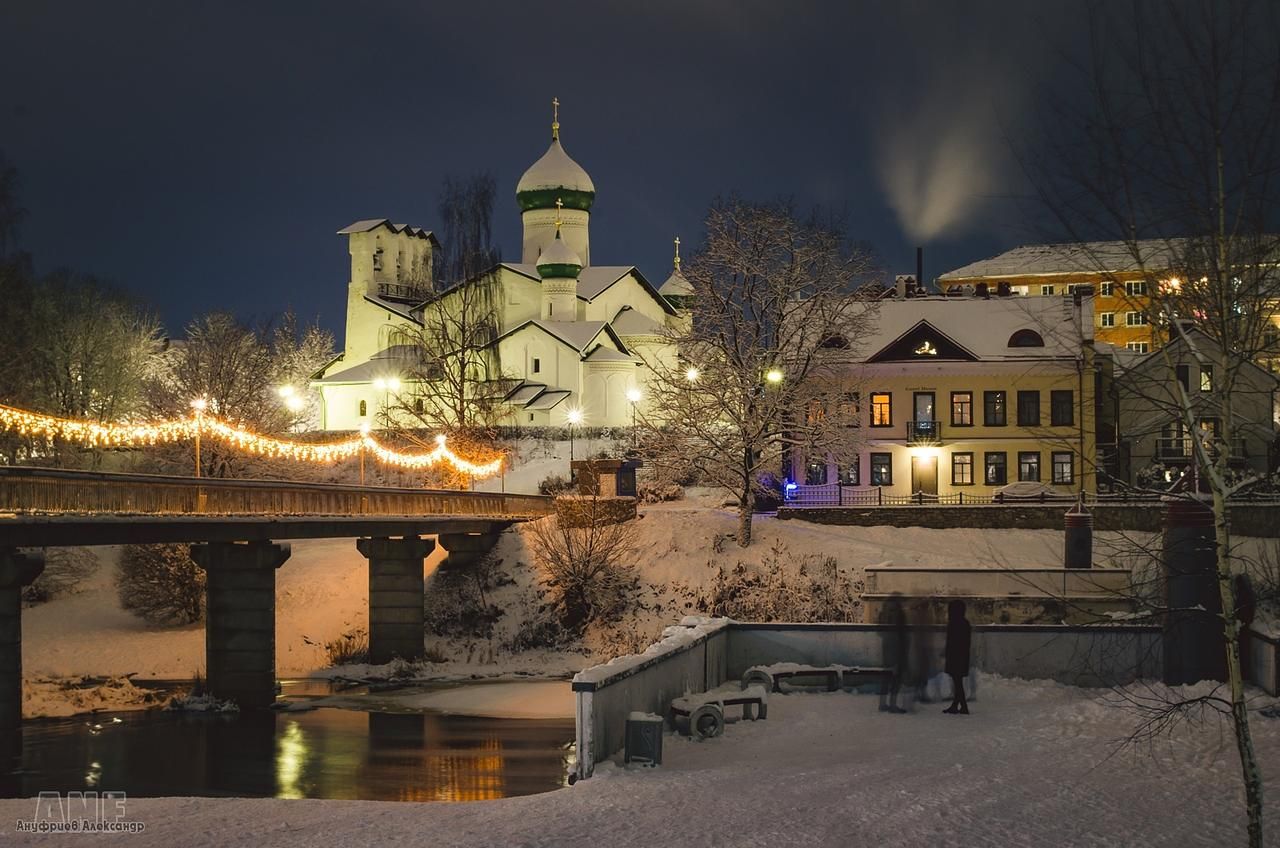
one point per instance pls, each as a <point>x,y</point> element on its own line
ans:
<point>238,532</point>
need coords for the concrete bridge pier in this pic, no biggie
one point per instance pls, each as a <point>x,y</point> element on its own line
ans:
<point>240,620</point>
<point>466,549</point>
<point>396,585</point>
<point>16,570</point>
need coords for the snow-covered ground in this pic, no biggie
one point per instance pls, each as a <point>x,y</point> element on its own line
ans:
<point>1036,764</point>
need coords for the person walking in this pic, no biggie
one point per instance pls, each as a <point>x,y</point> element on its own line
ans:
<point>957,656</point>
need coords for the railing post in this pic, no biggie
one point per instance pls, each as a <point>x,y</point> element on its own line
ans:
<point>880,495</point>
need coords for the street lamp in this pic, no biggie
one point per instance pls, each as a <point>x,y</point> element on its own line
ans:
<point>633,395</point>
<point>199,404</point>
<point>691,375</point>
<point>773,375</point>
<point>574,417</point>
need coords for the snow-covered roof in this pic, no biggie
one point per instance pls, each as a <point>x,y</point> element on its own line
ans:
<point>980,326</point>
<point>596,279</point>
<point>388,362</point>
<point>632,322</point>
<point>559,254</point>
<point>524,393</point>
<point>1098,257</point>
<point>367,224</point>
<point>555,170</point>
<point>606,354</point>
<point>675,286</point>
<point>547,400</point>
<point>576,334</point>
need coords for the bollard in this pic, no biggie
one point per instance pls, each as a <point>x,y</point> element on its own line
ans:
<point>1077,549</point>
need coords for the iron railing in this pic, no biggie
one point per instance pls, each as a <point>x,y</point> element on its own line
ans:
<point>403,291</point>
<point>46,490</point>
<point>832,494</point>
<point>1182,448</point>
<point>924,432</point>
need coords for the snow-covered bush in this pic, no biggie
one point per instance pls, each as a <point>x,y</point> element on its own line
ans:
<point>817,589</point>
<point>457,603</point>
<point>584,568</point>
<point>349,648</point>
<point>64,570</point>
<point>161,584</point>
<point>555,485</point>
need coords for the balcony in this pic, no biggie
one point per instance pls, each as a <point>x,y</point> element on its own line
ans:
<point>1181,449</point>
<point>404,291</point>
<point>924,432</point>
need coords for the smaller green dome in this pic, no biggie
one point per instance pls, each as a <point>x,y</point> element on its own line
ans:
<point>559,261</point>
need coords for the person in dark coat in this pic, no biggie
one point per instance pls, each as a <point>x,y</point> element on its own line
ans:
<point>957,656</point>
<point>894,654</point>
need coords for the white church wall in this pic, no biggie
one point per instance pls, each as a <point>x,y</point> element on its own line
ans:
<point>540,231</point>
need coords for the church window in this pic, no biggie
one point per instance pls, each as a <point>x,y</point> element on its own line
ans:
<point>537,365</point>
<point>364,409</point>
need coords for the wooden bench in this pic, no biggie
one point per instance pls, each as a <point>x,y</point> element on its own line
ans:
<point>851,677</point>
<point>833,676</point>
<point>705,710</point>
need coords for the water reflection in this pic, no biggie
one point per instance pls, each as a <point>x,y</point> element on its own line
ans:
<point>323,753</point>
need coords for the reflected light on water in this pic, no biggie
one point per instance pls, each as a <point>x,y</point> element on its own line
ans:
<point>291,758</point>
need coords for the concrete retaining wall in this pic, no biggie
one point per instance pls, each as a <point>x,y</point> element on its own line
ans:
<point>1246,519</point>
<point>1264,662</point>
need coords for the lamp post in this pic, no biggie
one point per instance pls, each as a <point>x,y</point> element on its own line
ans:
<point>633,395</point>
<point>574,417</point>
<point>198,404</point>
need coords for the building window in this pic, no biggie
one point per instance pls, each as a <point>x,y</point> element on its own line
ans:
<point>537,365</point>
<point>1028,466</point>
<point>882,469</point>
<point>1206,378</point>
<point>1107,319</point>
<point>851,475</point>
<point>1029,409</point>
<point>418,406</point>
<point>850,409</point>
<point>962,409</point>
<point>815,473</point>
<point>997,469</point>
<point>881,409</point>
<point>1026,338</point>
<point>962,469</point>
<point>1063,468</point>
<point>1135,319</point>
<point>994,406</point>
<point>1136,288</point>
<point>1183,373</point>
<point>364,409</point>
<point>1061,408</point>
<point>1045,291</point>
<point>1105,289</point>
<point>1138,347</point>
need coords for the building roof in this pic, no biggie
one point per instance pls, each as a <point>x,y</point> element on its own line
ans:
<point>576,334</point>
<point>367,224</point>
<point>676,286</point>
<point>595,280</point>
<point>633,322</point>
<point>606,354</point>
<point>391,361</point>
<point>1097,257</point>
<point>555,170</point>
<point>979,326</point>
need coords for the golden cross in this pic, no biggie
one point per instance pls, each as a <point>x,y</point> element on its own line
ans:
<point>559,206</point>
<point>555,118</point>
<point>677,253</point>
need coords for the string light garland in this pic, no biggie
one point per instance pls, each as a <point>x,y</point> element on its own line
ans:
<point>126,435</point>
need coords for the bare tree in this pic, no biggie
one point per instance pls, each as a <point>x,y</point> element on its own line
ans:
<point>466,229</point>
<point>1174,159</point>
<point>763,368</point>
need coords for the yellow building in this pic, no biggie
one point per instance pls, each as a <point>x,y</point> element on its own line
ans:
<point>1119,282</point>
<point>961,396</point>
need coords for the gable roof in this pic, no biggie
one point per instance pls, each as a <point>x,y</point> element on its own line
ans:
<point>368,224</point>
<point>922,343</point>
<point>386,362</point>
<point>576,334</point>
<point>595,280</point>
<point>633,322</point>
<point>978,326</point>
<point>1178,341</point>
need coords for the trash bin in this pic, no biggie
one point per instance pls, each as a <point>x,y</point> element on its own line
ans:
<point>643,739</point>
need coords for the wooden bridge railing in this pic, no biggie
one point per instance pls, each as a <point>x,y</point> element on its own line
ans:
<point>47,490</point>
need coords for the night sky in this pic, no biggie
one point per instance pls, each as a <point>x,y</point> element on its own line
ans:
<point>201,156</point>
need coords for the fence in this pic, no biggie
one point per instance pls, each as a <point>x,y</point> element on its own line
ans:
<point>836,494</point>
<point>45,490</point>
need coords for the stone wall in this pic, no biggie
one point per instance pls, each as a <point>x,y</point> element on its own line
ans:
<point>1246,519</point>
<point>586,511</point>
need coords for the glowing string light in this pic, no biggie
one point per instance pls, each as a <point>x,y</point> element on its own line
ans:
<point>125,435</point>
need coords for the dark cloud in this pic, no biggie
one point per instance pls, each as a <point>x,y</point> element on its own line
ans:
<point>203,155</point>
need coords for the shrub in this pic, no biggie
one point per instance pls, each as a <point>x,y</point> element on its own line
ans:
<point>817,591</point>
<point>656,491</point>
<point>349,648</point>
<point>583,568</point>
<point>555,485</point>
<point>64,570</point>
<point>456,601</point>
<point>160,584</point>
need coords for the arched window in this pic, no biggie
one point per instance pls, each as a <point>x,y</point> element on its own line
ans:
<point>835,342</point>
<point>364,409</point>
<point>1026,338</point>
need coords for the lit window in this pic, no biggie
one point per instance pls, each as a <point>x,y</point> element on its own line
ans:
<point>1063,469</point>
<point>815,473</point>
<point>1107,319</point>
<point>962,409</point>
<point>882,469</point>
<point>1046,291</point>
<point>994,406</point>
<point>997,469</point>
<point>962,469</point>
<point>1206,378</point>
<point>881,409</point>
<point>1028,466</point>
<point>364,409</point>
<point>851,475</point>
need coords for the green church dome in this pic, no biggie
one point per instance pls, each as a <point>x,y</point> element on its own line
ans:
<point>559,260</point>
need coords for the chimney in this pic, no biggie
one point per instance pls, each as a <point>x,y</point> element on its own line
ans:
<point>920,268</point>
<point>1083,297</point>
<point>982,291</point>
<point>1002,289</point>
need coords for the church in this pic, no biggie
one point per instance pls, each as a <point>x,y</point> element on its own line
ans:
<point>568,338</point>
